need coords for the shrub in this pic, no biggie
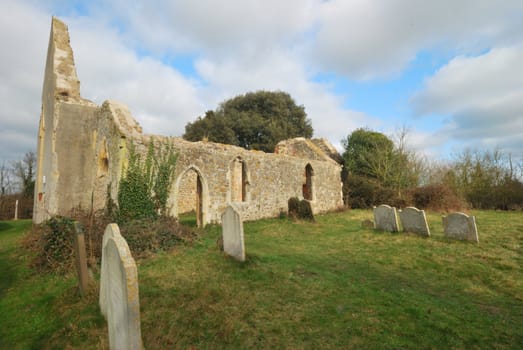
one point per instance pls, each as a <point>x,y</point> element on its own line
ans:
<point>436,197</point>
<point>363,192</point>
<point>52,241</point>
<point>300,210</point>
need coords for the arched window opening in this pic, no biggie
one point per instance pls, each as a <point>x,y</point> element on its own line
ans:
<point>239,181</point>
<point>190,199</point>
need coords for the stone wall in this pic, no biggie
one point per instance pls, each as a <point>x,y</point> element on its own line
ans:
<point>82,156</point>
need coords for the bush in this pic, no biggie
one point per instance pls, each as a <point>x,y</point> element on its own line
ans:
<point>362,192</point>
<point>300,210</point>
<point>53,240</point>
<point>436,197</point>
<point>52,243</point>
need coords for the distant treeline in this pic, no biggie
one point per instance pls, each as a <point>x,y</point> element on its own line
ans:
<point>379,170</point>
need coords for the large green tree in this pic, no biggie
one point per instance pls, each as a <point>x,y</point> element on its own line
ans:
<point>256,120</point>
<point>377,169</point>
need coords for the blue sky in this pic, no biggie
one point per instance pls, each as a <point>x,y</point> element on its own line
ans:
<point>451,72</point>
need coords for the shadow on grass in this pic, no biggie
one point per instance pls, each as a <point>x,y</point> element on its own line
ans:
<point>4,226</point>
<point>8,274</point>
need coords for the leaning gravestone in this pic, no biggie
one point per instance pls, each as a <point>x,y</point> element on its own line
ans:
<point>81,260</point>
<point>386,218</point>
<point>232,232</point>
<point>414,220</point>
<point>120,303</point>
<point>460,226</point>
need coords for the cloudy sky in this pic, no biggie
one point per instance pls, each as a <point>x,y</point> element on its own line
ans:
<point>451,71</point>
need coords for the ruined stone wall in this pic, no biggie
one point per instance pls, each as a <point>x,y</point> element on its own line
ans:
<point>270,180</point>
<point>83,149</point>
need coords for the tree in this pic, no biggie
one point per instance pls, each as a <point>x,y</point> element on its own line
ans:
<point>377,169</point>
<point>368,153</point>
<point>488,179</point>
<point>5,180</point>
<point>24,171</point>
<point>256,120</point>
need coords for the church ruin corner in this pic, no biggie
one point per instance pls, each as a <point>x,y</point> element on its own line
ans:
<point>83,148</point>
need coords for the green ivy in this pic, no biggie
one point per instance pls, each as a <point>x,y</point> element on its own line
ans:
<point>144,188</point>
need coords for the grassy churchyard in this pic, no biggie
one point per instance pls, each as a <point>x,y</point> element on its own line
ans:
<point>325,285</point>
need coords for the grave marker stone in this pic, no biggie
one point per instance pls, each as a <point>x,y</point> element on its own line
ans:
<point>121,300</point>
<point>460,226</point>
<point>386,218</point>
<point>414,220</point>
<point>232,231</point>
<point>112,230</point>
<point>81,260</point>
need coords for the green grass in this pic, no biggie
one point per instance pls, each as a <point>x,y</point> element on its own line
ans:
<point>326,285</point>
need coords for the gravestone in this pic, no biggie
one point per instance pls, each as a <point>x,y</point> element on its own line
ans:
<point>121,300</point>
<point>81,259</point>
<point>232,232</point>
<point>460,226</point>
<point>414,220</point>
<point>16,210</point>
<point>386,218</point>
<point>112,230</point>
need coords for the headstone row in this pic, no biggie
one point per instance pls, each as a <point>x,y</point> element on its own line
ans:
<point>455,225</point>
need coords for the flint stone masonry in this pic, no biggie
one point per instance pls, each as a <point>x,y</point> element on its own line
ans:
<point>414,220</point>
<point>122,304</point>
<point>83,147</point>
<point>232,231</point>
<point>460,226</point>
<point>386,218</point>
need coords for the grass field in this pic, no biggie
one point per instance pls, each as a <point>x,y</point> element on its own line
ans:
<point>326,285</point>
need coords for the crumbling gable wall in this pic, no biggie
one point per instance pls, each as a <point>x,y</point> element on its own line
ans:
<point>83,148</point>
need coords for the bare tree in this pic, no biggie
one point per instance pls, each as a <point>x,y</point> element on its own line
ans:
<point>24,172</point>
<point>5,180</point>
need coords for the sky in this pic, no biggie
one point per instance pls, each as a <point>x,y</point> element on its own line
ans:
<point>448,71</point>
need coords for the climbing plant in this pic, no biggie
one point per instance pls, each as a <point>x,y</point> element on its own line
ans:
<point>144,187</point>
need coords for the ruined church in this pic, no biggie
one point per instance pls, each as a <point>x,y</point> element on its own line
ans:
<point>83,149</point>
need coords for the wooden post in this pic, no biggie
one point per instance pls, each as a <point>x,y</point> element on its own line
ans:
<point>81,260</point>
<point>16,210</point>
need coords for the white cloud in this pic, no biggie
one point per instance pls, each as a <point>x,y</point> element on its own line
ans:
<point>282,71</point>
<point>24,33</point>
<point>159,97</point>
<point>366,39</point>
<point>483,95</point>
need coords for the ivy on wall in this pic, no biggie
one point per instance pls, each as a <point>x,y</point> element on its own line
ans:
<point>144,187</point>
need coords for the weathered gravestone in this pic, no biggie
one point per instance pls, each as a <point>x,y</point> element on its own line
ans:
<point>460,226</point>
<point>120,301</point>
<point>112,230</point>
<point>414,220</point>
<point>386,218</point>
<point>81,259</point>
<point>232,232</point>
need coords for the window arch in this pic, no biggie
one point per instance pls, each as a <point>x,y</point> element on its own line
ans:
<point>239,182</point>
